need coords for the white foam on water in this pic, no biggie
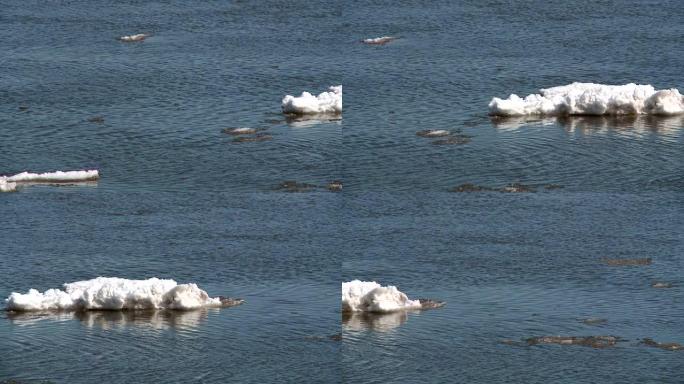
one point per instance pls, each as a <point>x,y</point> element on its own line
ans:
<point>369,296</point>
<point>53,177</point>
<point>137,37</point>
<point>6,186</point>
<point>113,293</point>
<point>241,131</point>
<point>329,102</point>
<point>379,40</point>
<point>592,99</point>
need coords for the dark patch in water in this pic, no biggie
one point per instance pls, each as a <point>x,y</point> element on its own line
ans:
<point>273,121</point>
<point>96,119</point>
<point>453,140</point>
<point>431,304</point>
<point>620,262</point>
<point>230,301</point>
<point>586,341</point>
<point>335,186</point>
<point>293,186</point>
<point>335,337</point>
<point>517,188</point>
<point>470,188</point>
<point>665,346</point>
<point>320,117</point>
<point>252,139</point>
<point>594,321</point>
<point>552,186</point>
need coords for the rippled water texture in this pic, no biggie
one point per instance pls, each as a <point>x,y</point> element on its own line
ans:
<point>179,198</point>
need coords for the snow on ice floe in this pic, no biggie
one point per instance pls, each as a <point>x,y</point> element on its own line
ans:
<point>592,99</point>
<point>53,177</point>
<point>329,102</point>
<point>112,293</point>
<point>369,296</point>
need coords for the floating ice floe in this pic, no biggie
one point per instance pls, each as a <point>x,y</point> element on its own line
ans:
<point>240,131</point>
<point>131,38</point>
<point>369,296</point>
<point>329,102</point>
<point>112,293</point>
<point>379,40</point>
<point>6,186</point>
<point>53,177</point>
<point>592,99</point>
<point>433,133</point>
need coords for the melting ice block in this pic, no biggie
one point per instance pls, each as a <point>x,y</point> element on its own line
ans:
<point>369,296</point>
<point>329,102</point>
<point>53,177</point>
<point>113,293</point>
<point>592,99</point>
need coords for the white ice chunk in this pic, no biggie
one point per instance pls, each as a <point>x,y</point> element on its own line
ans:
<point>369,296</point>
<point>592,99</point>
<point>137,37</point>
<point>53,177</point>
<point>325,103</point>
<point>6,186</point>
<point>113,293</point>
<point>379,40</point>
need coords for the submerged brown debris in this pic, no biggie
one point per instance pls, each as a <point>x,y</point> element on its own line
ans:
<point>469,188</point>
<point>517,188</point>
<point>252,139</point>
<point>511,188</point>
<point>586,341</point>
<point>449,138</point>
<point>453,140</point>
<point>96,119</point>
<point>431,304</point>
<point>293,186</point>
<point>617,262</point>
<point>552,186</point>
<point>335,186</point>
<point>230,301</point>
<point>335,337</point>
<point>665,346</point>
<point>594,321</point>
